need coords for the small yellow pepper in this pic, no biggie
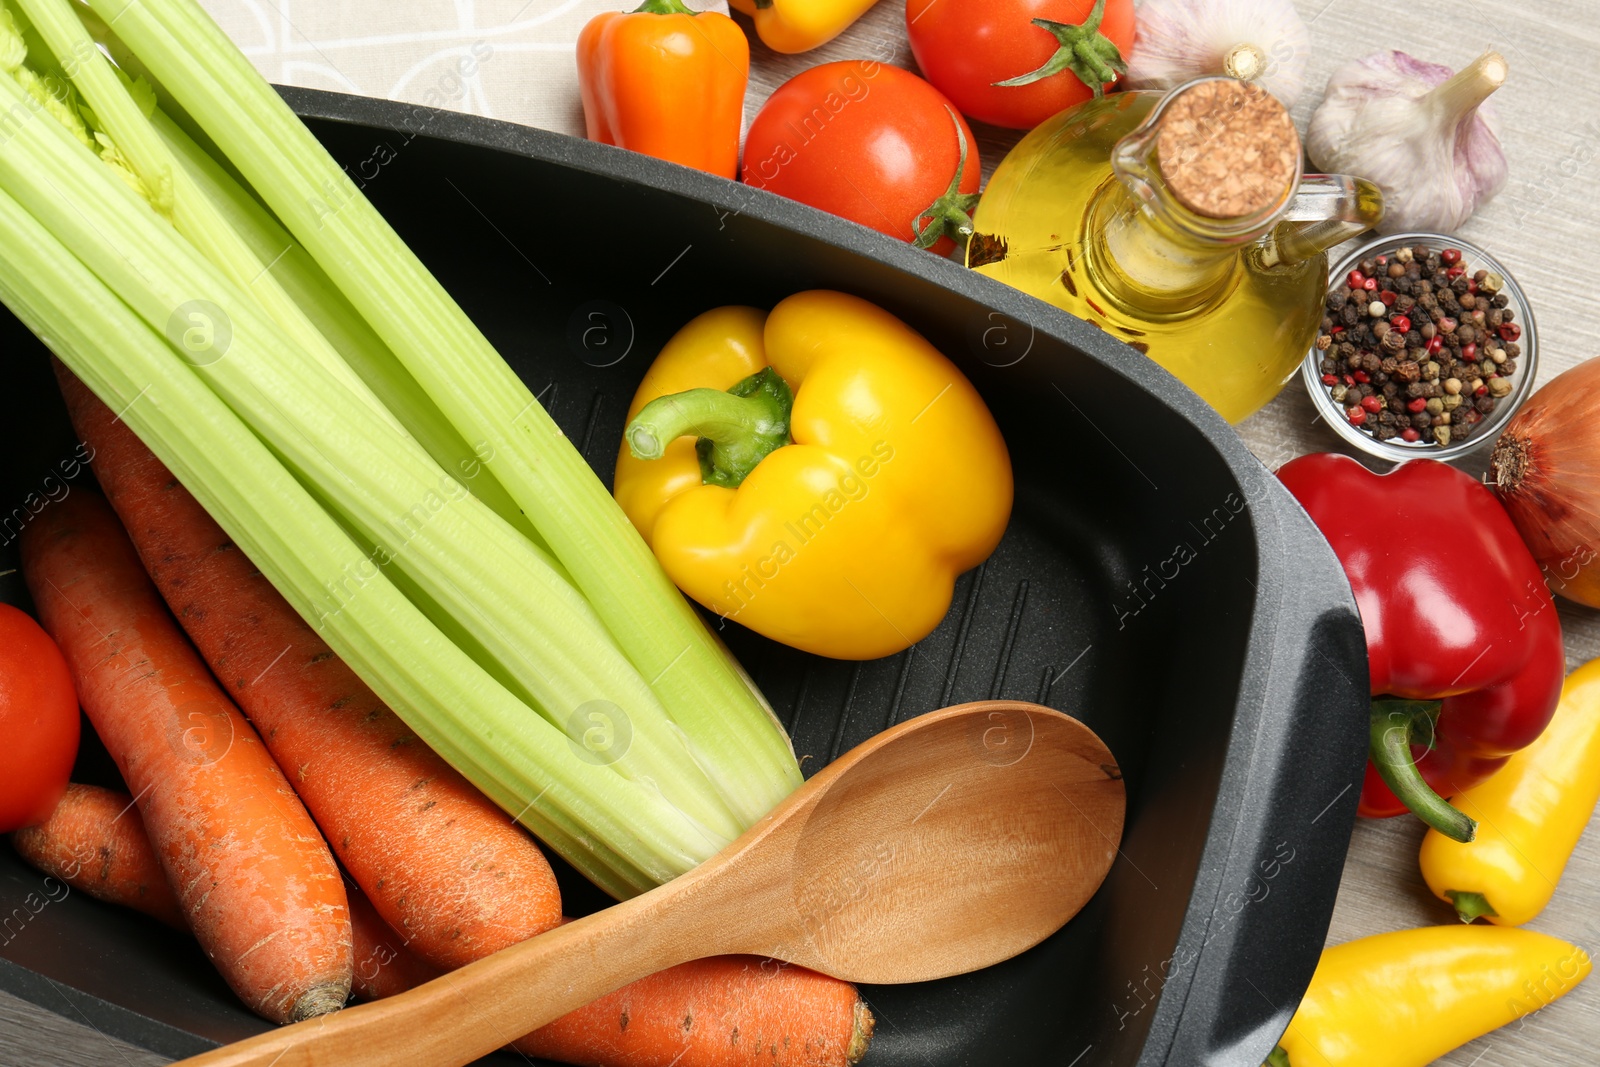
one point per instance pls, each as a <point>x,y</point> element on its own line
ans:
<point>1405,999</point>
<point>839,525</point>
<point>1530,816</point>
<point>801,25</point>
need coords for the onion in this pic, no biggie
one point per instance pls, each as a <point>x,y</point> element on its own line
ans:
<point>1546,469</point>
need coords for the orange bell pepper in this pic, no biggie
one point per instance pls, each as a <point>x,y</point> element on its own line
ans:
<point>668,82</point>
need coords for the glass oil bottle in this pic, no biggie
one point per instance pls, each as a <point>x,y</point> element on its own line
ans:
<point>1182,225</point>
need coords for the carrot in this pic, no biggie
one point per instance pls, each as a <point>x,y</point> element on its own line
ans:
<point>723,1011</point>
<point>254,878</point>
<point>443,865</point>
<point>384,965</point>
<point>94,841</point>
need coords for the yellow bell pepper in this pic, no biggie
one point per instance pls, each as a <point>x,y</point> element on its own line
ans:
<point>801,25</point>
<point>1405,999</point>
<point>1530,816</point>
<point>839,525</point>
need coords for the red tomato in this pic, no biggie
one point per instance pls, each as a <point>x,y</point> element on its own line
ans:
<point>38,722</point>
<point>964,48</point>
<point>874,144</point>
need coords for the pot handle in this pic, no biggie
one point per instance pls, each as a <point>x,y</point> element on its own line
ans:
<point>1327,209</point>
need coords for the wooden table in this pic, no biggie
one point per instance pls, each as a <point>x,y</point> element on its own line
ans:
<point>1543,227</point>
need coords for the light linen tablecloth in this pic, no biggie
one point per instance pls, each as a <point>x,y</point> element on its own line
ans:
<point>508,59</point>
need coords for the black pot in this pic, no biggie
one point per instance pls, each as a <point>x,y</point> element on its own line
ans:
<point>1155,581</point>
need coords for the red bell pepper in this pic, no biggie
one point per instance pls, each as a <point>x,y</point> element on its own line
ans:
<point>1463,641</point>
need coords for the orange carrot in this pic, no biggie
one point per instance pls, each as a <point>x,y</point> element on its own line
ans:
<point>442,864</point>
<point>384,965</point>
<point>724,1011</point>
<point>256,882</point>
<point>95,842</point>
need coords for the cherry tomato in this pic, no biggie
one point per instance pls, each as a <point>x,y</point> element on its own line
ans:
<point>872,143</point>
<point>964,48</point>
<point>38,722</point>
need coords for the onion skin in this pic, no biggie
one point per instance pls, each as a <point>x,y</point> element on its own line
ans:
<point>1546,468</point>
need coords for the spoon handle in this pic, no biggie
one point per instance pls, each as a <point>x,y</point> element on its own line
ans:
<point>469,1013</point>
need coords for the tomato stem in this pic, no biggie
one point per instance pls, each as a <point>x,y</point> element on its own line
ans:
<point>1083,49</point>
<point>1278,1058</point>
<point>950,215</point>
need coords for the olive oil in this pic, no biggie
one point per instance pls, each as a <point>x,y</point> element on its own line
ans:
<point>1084,214</point>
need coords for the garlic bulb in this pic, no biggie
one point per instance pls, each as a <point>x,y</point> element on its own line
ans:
<point>1424,135</point>
<point>1264,41</point>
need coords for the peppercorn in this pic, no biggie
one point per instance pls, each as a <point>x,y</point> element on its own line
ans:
<point>1419,334</point>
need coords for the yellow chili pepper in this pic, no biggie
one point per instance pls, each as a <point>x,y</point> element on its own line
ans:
<point>839,525</point>
<point>801,25</point>
<point>1530,816</point>
<point>1405,999</point>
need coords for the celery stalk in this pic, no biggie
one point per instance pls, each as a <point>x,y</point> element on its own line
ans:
<point>172,191</point>
<point>734,734</point>
<point>615,831</point>
<point>560,657</point>
<point>341,324</point>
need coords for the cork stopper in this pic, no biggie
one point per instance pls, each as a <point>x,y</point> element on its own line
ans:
<point>1227,149</point>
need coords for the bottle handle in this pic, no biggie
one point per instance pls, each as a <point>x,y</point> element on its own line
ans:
<point>1326,209</point>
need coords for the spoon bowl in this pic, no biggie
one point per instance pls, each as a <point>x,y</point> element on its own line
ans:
<point>961,839</point>
<point>945,844</point>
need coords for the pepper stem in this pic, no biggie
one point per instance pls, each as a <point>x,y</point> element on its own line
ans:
<point>1279,1058</point>
<point>1393,724</point>
<point>1471,906</point>
<point>1461,94</point>
<point>950,215</point>
<point>737,429</point>
<point>1084,50</point>
<point>664,7</point>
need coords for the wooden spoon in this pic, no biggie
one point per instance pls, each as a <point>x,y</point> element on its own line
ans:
<point>948,843</point>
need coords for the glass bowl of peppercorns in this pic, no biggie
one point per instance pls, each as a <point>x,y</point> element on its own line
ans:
<point>1427,348</point>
